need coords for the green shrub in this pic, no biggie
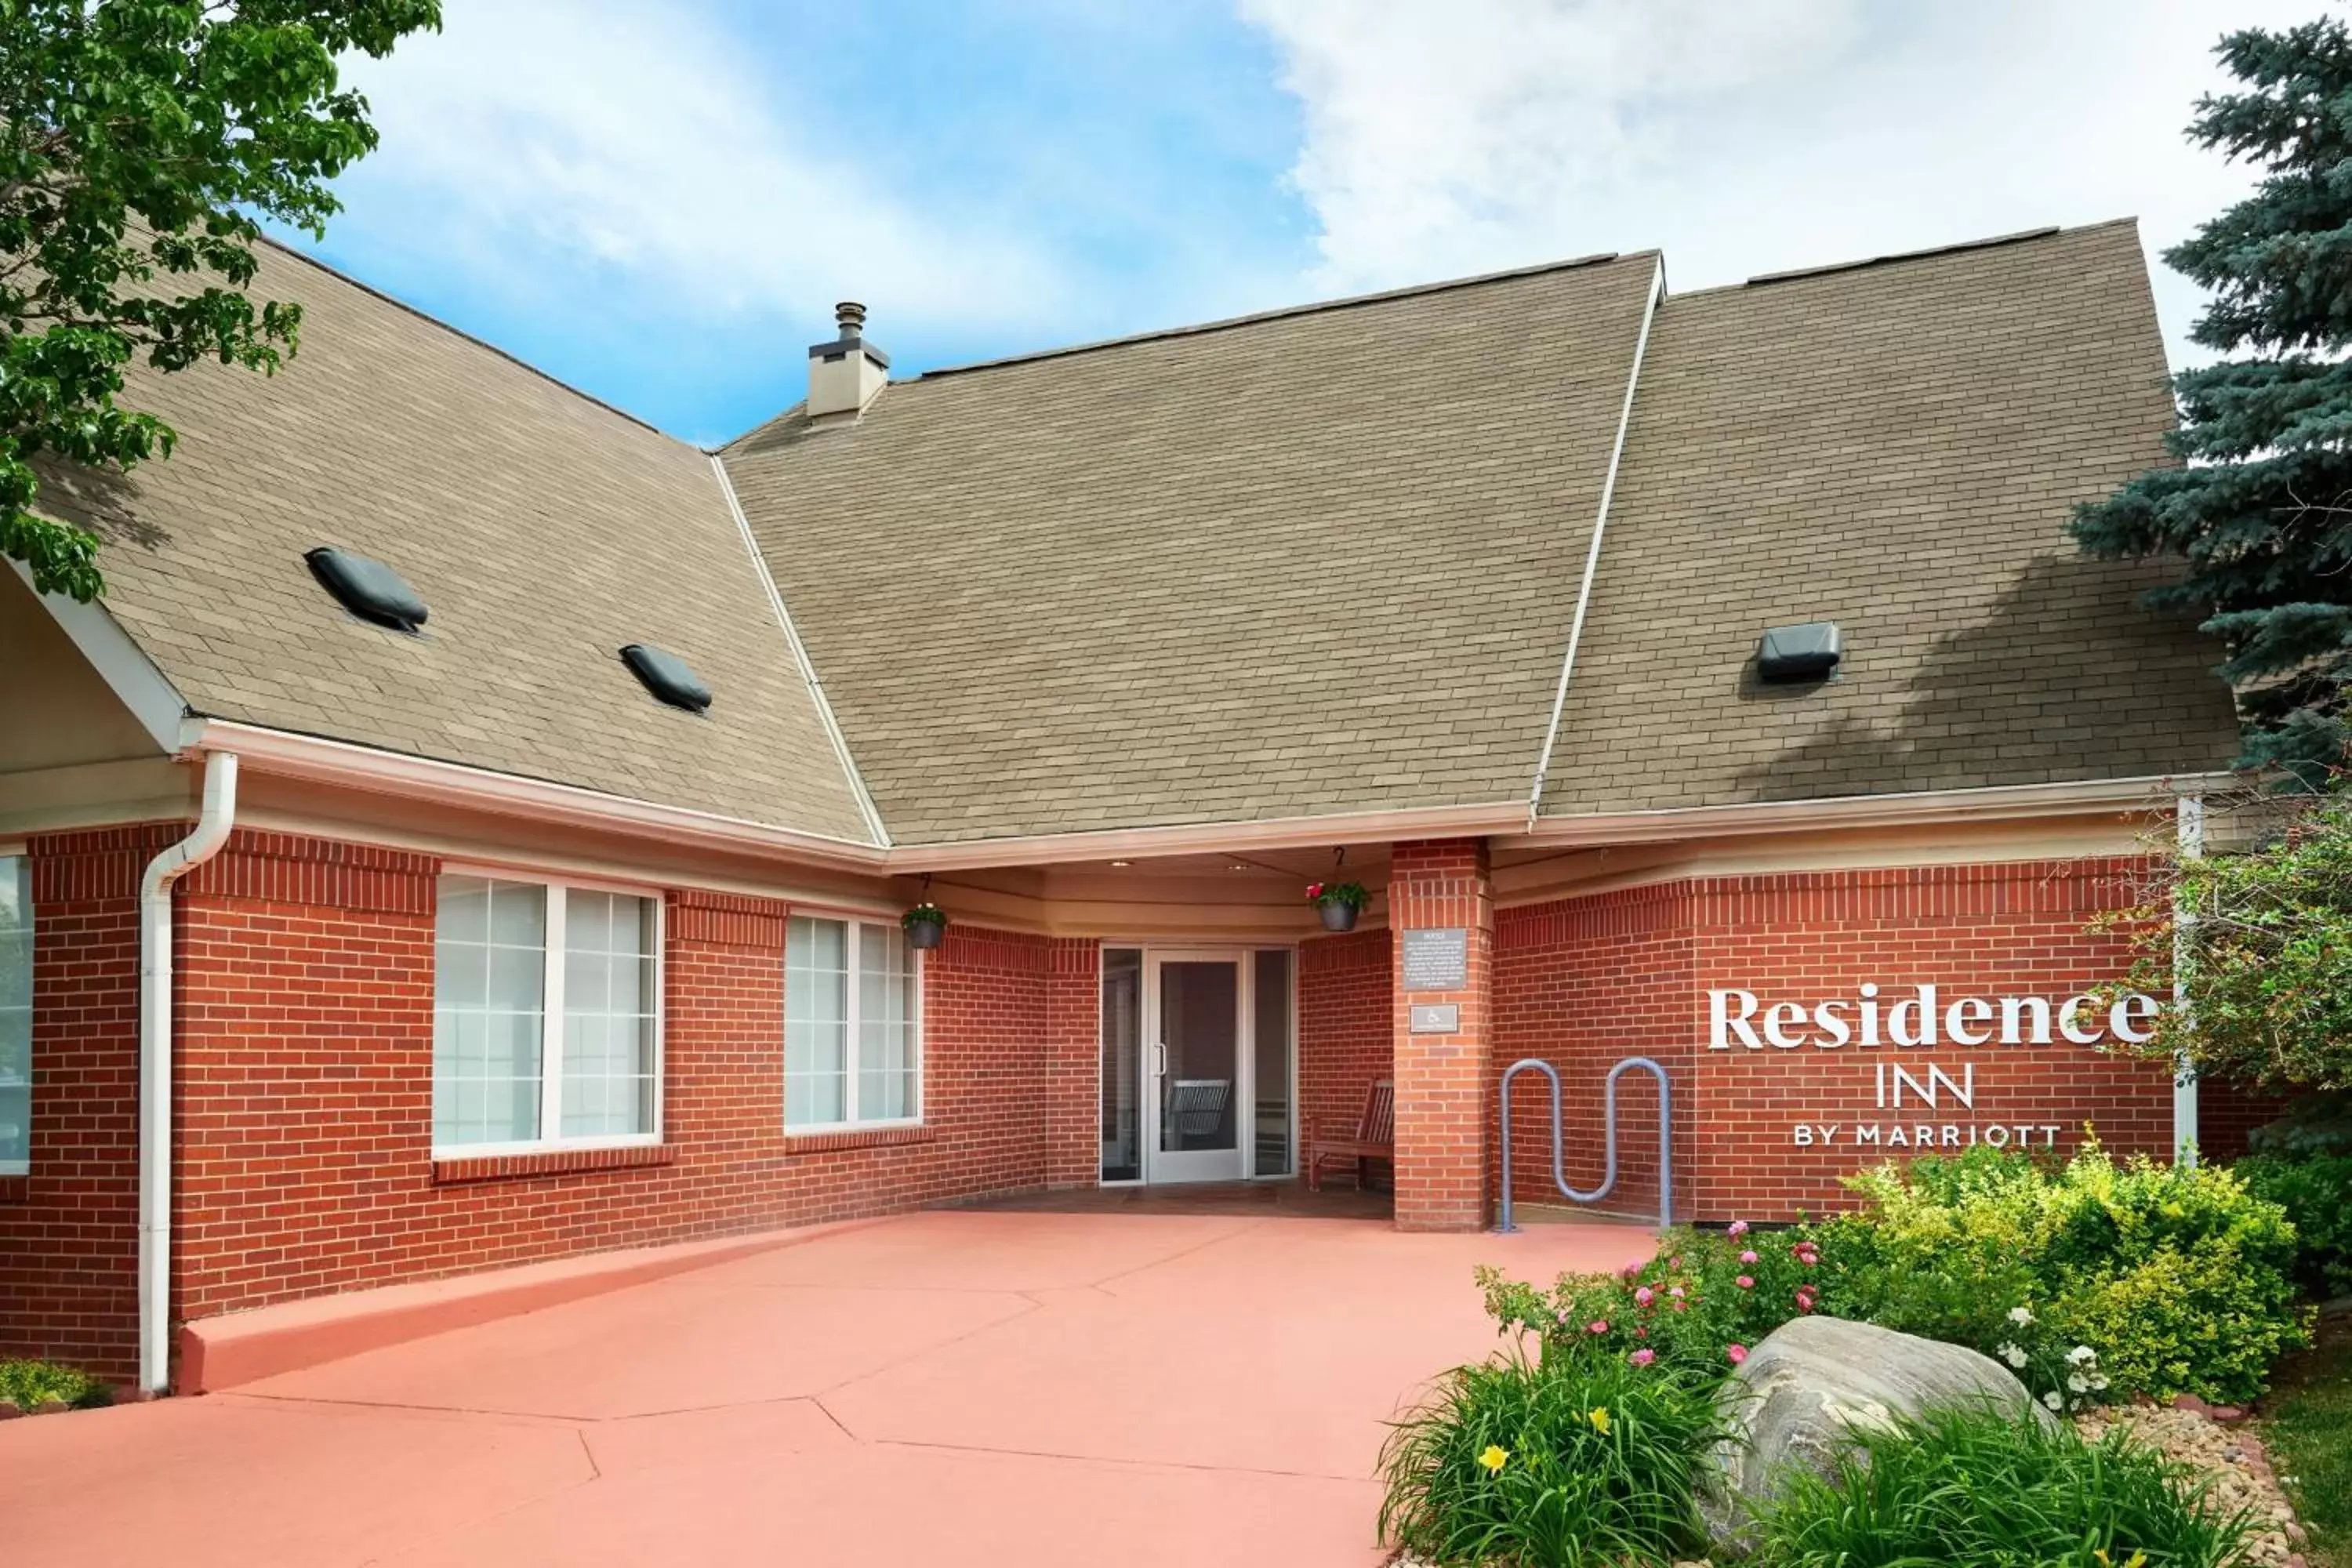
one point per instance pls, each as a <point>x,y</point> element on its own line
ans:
<point>28,1383</point>
<point>1566,1462</point>
<point>1976,1487</point>
<point>2317,1193</point>
<point>2180,1280</point>
<point>1694,1307</point>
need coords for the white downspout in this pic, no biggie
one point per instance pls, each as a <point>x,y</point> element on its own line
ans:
<point>213,823</point>
<point>2190,825</point>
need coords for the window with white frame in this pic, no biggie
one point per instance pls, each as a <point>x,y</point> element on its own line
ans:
<point>853,1024</point>
<point>16,1015</point>
<point>547,1015</point>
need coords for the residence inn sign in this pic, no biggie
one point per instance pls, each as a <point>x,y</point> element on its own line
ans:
<point>1918,1102</point>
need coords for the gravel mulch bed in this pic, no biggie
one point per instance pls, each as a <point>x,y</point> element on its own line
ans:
<point>2241,1471</point>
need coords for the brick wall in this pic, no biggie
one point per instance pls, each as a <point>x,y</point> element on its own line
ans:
<point>70,1229</point>
<point>1071,1101</point>
<point>1445,1081</point>
<point>1584,982</point>
<point>1346,1015</point>
<point>304,1102</point>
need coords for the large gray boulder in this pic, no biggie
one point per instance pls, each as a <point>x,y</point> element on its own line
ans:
<point>1815,1382</point>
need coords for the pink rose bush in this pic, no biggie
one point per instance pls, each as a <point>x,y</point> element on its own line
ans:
<point>1694,1307</point>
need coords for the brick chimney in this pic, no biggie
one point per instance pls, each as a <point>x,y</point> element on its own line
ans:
<point>846,374</point>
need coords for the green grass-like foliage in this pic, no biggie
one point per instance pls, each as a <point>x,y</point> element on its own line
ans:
<point>29,1384</point>
<point>1596,1464</point>
<point>1981,1488</point>
<point>2308,1427</point>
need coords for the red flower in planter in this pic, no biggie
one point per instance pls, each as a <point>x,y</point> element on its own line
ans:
<point>1314,889</point>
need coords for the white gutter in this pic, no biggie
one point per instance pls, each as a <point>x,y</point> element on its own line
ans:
<point>865,807</point>
<point>2188,826</point>
<point>1592,553</point>
<point>286,754</point>
<point>213,823</point>
<point>1992,803</point>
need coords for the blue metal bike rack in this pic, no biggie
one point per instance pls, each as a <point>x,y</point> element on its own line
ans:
<point>1608,1111</point>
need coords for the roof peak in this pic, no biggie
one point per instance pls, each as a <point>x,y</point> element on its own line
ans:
<point>1310,307</point>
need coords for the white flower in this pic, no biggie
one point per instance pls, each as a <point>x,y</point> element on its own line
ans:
<point>2082,1353</point>
<point>2098,1379</point>
<point>2020,1315</point>
<point>2012,1354</point>
<point>2079,1384</point>
<point>2053,1401</point>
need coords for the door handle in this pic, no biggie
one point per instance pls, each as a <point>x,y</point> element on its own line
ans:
<point>1159,1060</point>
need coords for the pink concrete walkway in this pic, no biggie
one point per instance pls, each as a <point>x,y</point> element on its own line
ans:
<point>964,1388</point>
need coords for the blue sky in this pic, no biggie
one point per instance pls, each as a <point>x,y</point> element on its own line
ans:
<point>659,200</point>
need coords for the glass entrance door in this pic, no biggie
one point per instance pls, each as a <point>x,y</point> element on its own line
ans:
<point>1197,1088</point>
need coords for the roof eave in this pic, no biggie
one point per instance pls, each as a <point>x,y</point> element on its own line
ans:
<point>1993,803</point>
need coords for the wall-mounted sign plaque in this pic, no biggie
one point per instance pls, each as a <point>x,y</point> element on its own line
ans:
<point>1436,1018</point>
<point>1437,960</point>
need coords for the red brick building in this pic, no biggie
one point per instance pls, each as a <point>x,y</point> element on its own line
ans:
<point>1700,677</point>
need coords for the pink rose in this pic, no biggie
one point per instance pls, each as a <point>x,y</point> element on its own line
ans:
<point>1644,1356</point>
<point>1598,1326</point>
<point>1675,1292</point>
<point>1644,1296</point>
<point>1675,1261</point>
<point>1737,1352</point>
<point>1739,1227</point>
<point>1681,1306</point>
<point>1746,1257</point>
<point>1641,1333</point>
<point>1745,1283</point>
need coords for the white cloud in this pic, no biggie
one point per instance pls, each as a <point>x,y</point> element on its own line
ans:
<point>635,139</point>
<point>1742,138</point>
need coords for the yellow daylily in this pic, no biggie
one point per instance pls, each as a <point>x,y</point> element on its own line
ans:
<point>1600,1418</point>
<point>1494,1458</point>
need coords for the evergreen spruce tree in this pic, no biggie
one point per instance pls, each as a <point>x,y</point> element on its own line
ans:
<point>2261,512</point>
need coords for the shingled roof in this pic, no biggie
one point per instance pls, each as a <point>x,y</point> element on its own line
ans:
<point>543,529</point>
<point>1897,448</point>
<point>1321,561</point>
<point>1312,563</point>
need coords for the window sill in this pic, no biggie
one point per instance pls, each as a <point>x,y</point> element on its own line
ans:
<point>456,1170</point>
<point>812,1141</point>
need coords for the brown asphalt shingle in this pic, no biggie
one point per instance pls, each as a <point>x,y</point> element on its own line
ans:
<point>544,531</point>
<point>1896,448</point>
<point>1318,562</point>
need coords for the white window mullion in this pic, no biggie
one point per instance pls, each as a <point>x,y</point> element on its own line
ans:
<point>853,1054</point>
<point>550,1046</point>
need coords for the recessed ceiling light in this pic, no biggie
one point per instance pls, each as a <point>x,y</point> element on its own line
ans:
<point>1122,864</point>
<point>1238,865</point>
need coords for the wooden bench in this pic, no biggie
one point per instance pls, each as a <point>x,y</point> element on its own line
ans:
<point>1374,1138</point>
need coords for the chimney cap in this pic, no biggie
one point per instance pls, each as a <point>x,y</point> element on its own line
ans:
<point>849,317</point>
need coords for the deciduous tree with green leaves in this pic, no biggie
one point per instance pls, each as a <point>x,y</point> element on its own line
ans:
<point>141,142</point>
<point>2262,509</point>
<point>2261,931</point>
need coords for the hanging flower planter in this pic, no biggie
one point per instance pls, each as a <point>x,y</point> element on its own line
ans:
<point>926,925</point>
<point>1339,903</point>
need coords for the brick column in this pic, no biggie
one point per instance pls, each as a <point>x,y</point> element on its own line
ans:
<point>1442,1116</point>
<point>1072,1091</point>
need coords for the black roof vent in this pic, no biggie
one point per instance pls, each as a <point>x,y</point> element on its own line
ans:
<point>666,676</point>
<point>1807,652</point>
<point>367,588</point>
